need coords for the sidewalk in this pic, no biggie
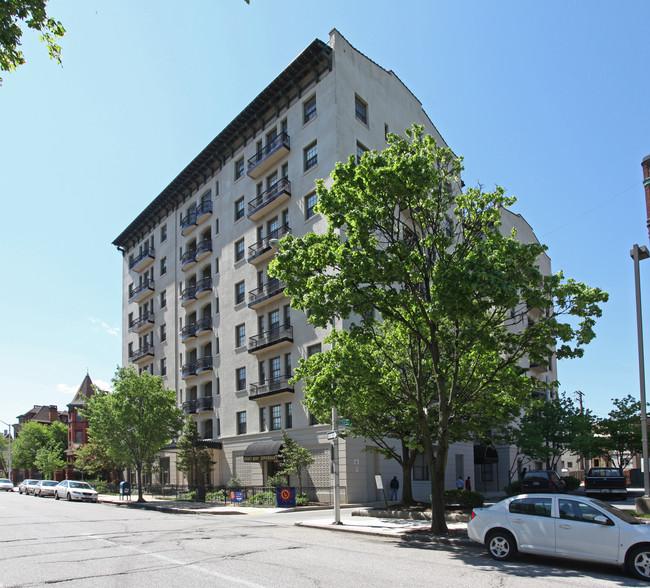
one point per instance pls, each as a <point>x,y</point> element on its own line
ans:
<point>365,519</point>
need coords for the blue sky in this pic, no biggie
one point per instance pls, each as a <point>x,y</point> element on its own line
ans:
<point>549,100</point>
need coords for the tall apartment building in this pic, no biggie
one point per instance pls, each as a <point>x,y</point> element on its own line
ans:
<point>198,306</point>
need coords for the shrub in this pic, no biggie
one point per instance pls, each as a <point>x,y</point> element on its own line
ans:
<point>277,481</point>
<point>218,496</point>
<point>263,498</point>
<point>464,498</point>
<point>572,483</point>
<point>302,500</point>
<point>512,488</point>
<point>189,496</point>
<point>234,483</point>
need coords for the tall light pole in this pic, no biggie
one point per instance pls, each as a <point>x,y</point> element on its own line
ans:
<point>9,460</point>
<point>638,253</point>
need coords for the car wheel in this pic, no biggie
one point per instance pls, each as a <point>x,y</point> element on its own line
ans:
<point>56,496</point>
<point>638,562</point>
<point>501,545</point>
<point>68,497</point>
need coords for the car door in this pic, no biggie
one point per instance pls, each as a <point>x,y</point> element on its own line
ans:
<point>60,489</point>
<point>530,519</point>
<point>579,535</point>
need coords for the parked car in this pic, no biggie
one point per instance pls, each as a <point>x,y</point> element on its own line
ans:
<point>573,527</point>
<point>25,485</point>
<point>45,488</point>
<point>543,481</point>
<point>606,480</point>
<point>6,484</point>
<point>74,490</point>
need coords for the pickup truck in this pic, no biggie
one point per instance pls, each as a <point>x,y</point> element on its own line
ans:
<point>606,480</point>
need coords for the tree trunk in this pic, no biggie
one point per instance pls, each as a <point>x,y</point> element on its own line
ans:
<point>139,475</point>
<point>408,459</point>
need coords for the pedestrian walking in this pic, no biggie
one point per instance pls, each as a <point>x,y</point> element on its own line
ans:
<point>394,487</point>
<point>460,484</point>
<point>468,484</point>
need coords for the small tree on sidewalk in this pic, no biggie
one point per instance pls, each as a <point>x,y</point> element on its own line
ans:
<point>295,458</point>
<point>194,459</point>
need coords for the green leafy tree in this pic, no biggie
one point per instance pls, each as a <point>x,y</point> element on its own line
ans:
<point>34,436</point>
<point>92,460</point>
<point>16,13</point>
<point>622,431</point>
<point>49,460</point>
<point>194,459</point>
<point>404,242</point>
<point>294,458</point>
<point>134,422</point>
<point>4,455</point>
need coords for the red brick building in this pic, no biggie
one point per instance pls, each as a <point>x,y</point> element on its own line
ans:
<point>77,425</point>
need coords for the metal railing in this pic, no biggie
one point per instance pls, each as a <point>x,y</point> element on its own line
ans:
<point>281,140</point>
<point>267,290</point>
<point>148,251</point>
<point>282,185</point>
<point>274,335</point>
<point>264,244</point>
<point>273,385</point>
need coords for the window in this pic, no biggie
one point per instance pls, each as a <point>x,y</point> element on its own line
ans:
<point>163,367</point>
<point>240,335</point>
<point>239,208</point>
<point>288,416</point>
<point>573,510</point>
<point>360,110</point>
<point>241,422</point>
<point>216,266</point>
<point>240,378</point>
<point>216,227</point>
<point>240,292</point>
<point>386,131</point>
<point>239,168</point>
<point>421,469</point>
<point>275,368</point>
<point>361,149</point>
<point>276,417</point>
<point>310,156</point>
<point>239,250</point>
<point>79,437</point>
<point>310,202</point>
<point>534,506</point>
<point>263,418</point>
<point>163,299</point>
<point>309,109</point>
<point>163,266</point>
<point>313,349</point>
<point>163,467</point>
<point>163,333</point>
<point>312,420</point>
<point>163,233</point>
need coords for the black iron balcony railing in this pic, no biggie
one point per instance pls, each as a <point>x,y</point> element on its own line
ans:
<point>148,251</point>
<point>274,385</point>
<point>188,220</point>
<point>283,185</point>
<point>189,406</point>
<point>203,364</point>
<point>146,317</point>
<point>204,208</point>
<point>188,294</point>
<point>204,403</point>
<point>271,288</point>
<point>188,369</point>
<point>205,324</point>
<point>263,244</point>
<point>188,257</point>
<point>188,332</point>
<point>282,140</point>
<point>203,285</point>
<point>270,337</point>
<point>204,246</point>
<point>144,351</point>
<point>135,291</point>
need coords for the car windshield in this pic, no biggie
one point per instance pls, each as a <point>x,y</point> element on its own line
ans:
<point>620,514</point>
<point>81,485</point>
<point>32,482</point>
<point>49,483</point>
<point>5,481</point>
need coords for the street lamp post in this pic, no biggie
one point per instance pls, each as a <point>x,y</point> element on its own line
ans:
<point>9,460</point>
<point>638,253</point>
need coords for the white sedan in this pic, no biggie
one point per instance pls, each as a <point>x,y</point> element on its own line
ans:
<point>74,490</point>
<point>6,484</point>
<point>563,526</point>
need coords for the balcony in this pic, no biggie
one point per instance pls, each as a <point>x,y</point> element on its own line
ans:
<point>262,250</point>
<point>203,287</point>
<point>269,156</point>
<point>267,293</point>
<point>141,323</point>
<point>277,385</point>
<point>188,369</point>
<point>139,355</point>
<point>270,338</point>
<point>195,217</point>
<point>188,333</point>
<point>188,295</point>
<point>143,260</point>
<point>203,365</point>
<point>276,195</point>
<point>204,325</point>
<point>203,211</point>
<point>204,403</point>
<point>188,259</point>
<point>539,368</point>
<point>203,249</point>
<point>189,407</point>
<point>141,291</point>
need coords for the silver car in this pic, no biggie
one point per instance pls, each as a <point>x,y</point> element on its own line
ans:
<point>6,484</point>
<point>74,490</point>
<point>45,488</point>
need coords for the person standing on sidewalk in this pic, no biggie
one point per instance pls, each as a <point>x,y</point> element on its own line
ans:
<point>468,484</point>
<point>394,487</point>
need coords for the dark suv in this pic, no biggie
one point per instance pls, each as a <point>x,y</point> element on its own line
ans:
<point>543,481</point>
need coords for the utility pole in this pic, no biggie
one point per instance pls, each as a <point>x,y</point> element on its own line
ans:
<point>580,394</point>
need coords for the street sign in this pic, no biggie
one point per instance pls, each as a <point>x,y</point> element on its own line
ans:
<point>332,435</point>
<point>344,422</point>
